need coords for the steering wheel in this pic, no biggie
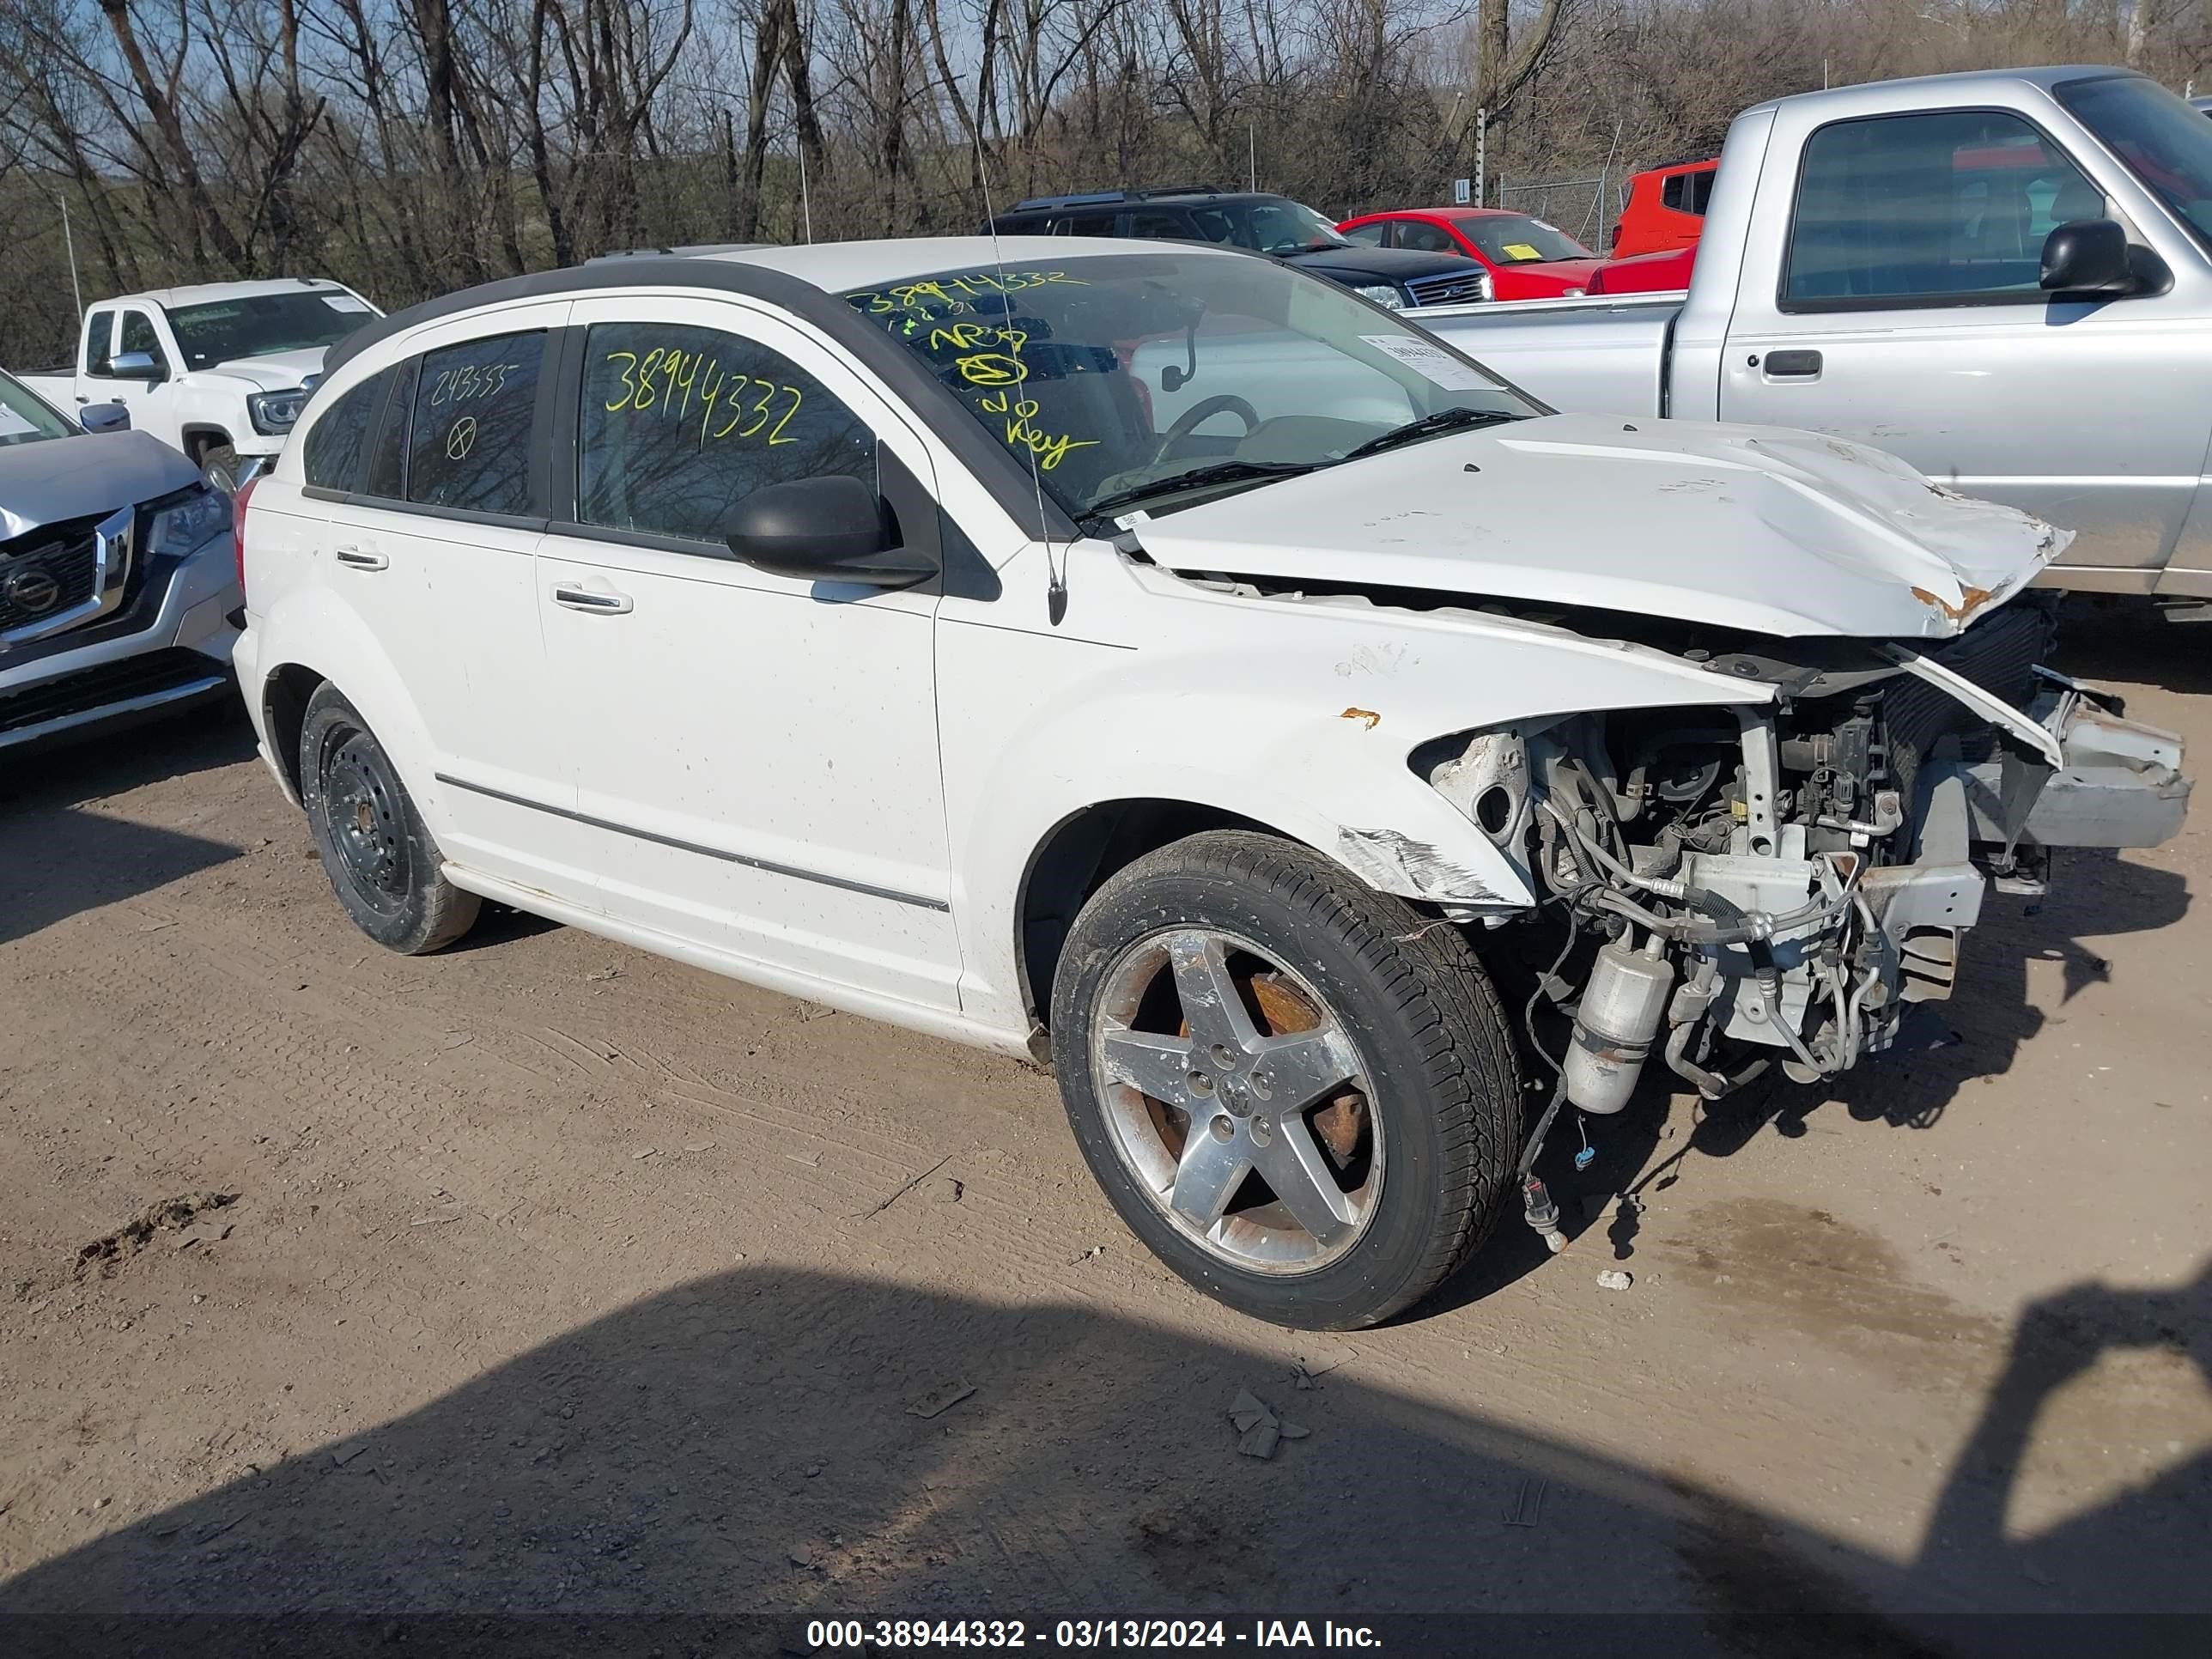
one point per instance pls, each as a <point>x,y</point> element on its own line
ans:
<point>1202,411</point>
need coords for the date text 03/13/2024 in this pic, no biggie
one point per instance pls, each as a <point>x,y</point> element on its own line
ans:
<point>928,1635</point>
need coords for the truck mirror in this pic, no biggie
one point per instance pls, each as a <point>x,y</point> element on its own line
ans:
<point>2089,256</point>
<point>104,418</point>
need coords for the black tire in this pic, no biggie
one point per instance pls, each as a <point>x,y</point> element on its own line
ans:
<point>219,466</point>
<point>1435,1044</point>
<point>381,862</point>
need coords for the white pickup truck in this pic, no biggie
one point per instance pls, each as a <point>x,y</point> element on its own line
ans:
<point>220,371</point>
<point>2005,279</point>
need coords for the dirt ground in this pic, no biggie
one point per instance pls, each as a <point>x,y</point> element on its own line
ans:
<point>544,1277</point>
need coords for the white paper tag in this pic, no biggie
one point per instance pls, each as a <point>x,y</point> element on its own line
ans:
<point>344,302</point>
<point>13,425</point>
<point>1429,359</point>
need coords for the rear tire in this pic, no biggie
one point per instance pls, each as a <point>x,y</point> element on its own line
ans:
<point>381,862</point>
<point>1327,1152</point>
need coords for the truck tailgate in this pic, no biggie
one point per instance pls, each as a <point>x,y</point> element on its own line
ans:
<point>1608,357</point>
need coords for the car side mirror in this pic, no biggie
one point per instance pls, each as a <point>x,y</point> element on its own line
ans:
<point>104,418</point>
<point>2089,256</point>
<point>829,529</point>
<point>138,366</point>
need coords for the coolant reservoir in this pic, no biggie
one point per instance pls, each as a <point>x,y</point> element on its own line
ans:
<point>1621,1008</point>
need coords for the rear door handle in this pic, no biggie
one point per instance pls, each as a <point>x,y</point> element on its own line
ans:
<point>1792,365</point>
<point>354,558</point>
<point>600,604</point>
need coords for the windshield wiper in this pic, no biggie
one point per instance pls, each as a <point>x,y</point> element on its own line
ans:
<point>1197,477</point>
<point>1444,420</point>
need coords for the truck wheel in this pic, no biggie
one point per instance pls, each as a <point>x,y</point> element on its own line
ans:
<point>1299,1093</point>
<point>219,466</point>
<point>382,864</point>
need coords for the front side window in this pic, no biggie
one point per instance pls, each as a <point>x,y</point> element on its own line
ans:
<point>2161,139</point>
<point>473,422</point>
<point>139,336</point>
<point>334,443</point>
<point>24,416</point>
<point>1945,207</point>
<point>99,338</point>
<point>225,331</point>
<point>1120,372</point>
<point>1425,238</point>
<point>680,423</point>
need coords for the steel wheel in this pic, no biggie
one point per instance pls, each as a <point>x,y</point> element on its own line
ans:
<point>1236,1098</point>
<point>367,826</point>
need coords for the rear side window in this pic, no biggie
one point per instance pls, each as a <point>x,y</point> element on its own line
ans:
<point>99,331</point>
<point>1946,208</point>
<point>333,450</point>
<point>1160,224</point>
<point>1081,224</point>
<point>680,423</point>
<point>1424,237</point>
<point>470,428</point>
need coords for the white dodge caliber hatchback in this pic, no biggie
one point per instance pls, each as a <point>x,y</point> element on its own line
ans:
<point>1173,667</point>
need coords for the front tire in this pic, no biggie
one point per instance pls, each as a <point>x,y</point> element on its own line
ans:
<point>219,466</point>
<point>1300,1092</point>
<point>381,862</point>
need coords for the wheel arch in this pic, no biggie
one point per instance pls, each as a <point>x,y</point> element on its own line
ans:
<point>201,436</point>
<point>284,693</point>
<point>1078,855</point>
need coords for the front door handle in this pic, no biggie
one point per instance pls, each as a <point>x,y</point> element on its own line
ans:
<point>583,599</point>
<point>1803,365</point>
<point>356,558</point>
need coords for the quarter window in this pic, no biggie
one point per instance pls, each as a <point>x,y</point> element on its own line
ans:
<point>335,444</point>
<point>1946,208</point>
<point>469,445</point>
<point>680,423</point>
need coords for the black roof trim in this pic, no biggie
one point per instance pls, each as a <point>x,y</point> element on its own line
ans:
<point>994,464</point>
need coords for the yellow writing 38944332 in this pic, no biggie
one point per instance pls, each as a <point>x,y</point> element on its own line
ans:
<point>667,381</point>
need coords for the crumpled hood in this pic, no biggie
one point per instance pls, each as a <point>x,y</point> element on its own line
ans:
<point>57,479</point>
<point>1760,528</point>
<point>280,371</point>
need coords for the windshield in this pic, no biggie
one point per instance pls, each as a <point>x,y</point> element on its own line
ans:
<point>2164,143</point>
<point>1121,372</point>
<point>24,416</point>
<point>224,330</point>
<point>1514,239</point>
<point>1269,225</point>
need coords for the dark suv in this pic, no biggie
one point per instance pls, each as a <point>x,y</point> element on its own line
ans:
<point>1273,225</point>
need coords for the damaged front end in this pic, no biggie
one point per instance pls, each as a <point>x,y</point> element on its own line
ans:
<point>1784,882</point>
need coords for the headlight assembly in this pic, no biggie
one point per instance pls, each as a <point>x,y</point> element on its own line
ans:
<point>186,522</point>
<point>273,412</point>
<point>1383,294</point>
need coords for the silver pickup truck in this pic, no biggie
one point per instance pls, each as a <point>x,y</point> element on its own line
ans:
<point>2004,278</point>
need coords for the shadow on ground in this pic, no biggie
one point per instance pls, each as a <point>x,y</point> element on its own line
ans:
<point>749,1447</point>
<point>58,858</point>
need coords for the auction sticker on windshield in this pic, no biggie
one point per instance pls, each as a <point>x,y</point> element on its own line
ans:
<point>1426,358</point>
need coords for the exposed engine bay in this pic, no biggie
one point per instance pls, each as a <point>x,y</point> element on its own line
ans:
<point>1738,886</point>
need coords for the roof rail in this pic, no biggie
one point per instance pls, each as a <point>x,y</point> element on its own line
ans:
<point>1099,198</point>
<point>692,252</point>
